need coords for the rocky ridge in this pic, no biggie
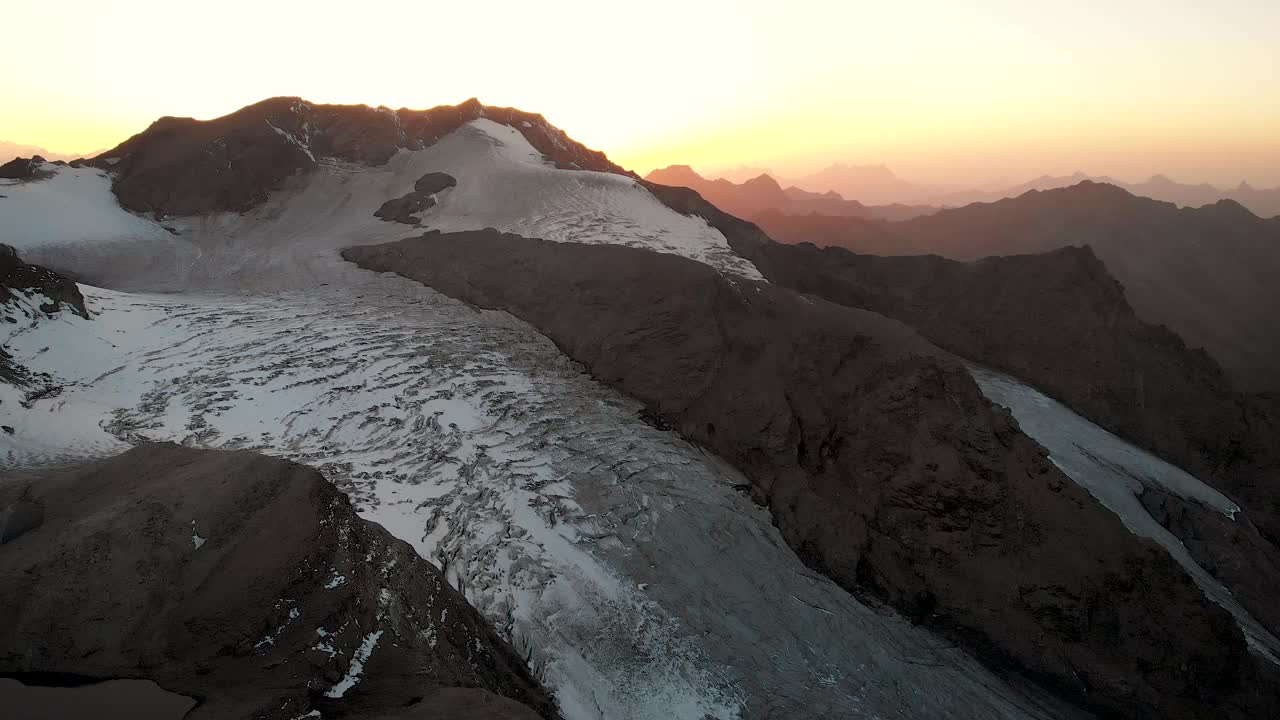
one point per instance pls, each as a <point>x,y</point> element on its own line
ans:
<point>263,595</point>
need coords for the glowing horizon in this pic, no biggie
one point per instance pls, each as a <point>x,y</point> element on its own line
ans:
<point>938,93</point>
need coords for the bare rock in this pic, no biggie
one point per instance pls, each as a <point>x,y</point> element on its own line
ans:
<point>246,582</point>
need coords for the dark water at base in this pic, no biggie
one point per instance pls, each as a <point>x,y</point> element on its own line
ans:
<point>106,700</point>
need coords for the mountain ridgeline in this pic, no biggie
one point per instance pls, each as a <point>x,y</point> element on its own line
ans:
<point>1207,273</point>
<point>764,194</point>
<point>181,166</point>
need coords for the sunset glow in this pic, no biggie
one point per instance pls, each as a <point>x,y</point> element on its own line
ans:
<point>939,91</point>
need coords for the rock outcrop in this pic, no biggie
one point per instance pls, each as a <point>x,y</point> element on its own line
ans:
<point>406,208</point>
<point>245,582</point>
<point>182,166</point>
<point>1231,549</point>
<point>20,168</point>
<point>19,277</point>
<point>881,461</point>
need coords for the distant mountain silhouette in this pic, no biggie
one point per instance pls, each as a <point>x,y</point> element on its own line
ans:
<point>763,193</point>
<point>743,173</point>
<point>10,150</point>
<point>878,185</point>
<point>871,184</point>
<point>1262,202</point>
<point>1208,273</point>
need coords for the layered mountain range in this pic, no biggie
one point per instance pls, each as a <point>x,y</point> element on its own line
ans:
<point>878,185</point>
<point>1206,273</point>
<point>791,482</point>
<point>762,193</point>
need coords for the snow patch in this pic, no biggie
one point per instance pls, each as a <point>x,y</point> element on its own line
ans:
<point>1115,472</point>
<point>292,139</point>
<point>358,660</point>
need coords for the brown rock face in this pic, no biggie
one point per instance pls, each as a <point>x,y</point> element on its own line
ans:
<point>17,276</point>
<point>881,461</point>
<point>19,168</point>
<point>245,582</point>
<point>181,166</point>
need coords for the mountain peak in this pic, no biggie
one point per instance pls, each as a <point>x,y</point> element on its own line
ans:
<point>183,166</point>
<point>676,176</point>
<point>763,182</point>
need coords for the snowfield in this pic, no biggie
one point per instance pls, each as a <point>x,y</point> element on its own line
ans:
<point>73,206</point>
<point>504,183</point>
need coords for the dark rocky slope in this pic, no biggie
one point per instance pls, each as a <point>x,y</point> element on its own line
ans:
<point>1231,549</point>
<point>20,168</point>
<point>881,461</point>
<point>1208,273</point>
<point>182,166</point>
<point>873,236</point>
<point>1061,322</point>
<point>247,583</point>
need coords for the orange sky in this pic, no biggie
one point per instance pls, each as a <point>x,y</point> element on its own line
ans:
<point>941,91</point>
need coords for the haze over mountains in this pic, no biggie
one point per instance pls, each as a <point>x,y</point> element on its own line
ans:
<point>762,192</point>
<point>879,185</point>
<point>663,463</point>
<point>10,150</point>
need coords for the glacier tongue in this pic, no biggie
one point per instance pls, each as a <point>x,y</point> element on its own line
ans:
<point>1115,472</point>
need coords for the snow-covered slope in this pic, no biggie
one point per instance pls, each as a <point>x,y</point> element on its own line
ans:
<point>1115,472</point>
<point>504,183</point>
<point>71,206</point>
<point>71,220</point>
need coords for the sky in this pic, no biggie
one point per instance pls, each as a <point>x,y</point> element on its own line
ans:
<point>940,91</point>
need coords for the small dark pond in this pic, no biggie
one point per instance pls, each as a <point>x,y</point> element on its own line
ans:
<point>62,698</point>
